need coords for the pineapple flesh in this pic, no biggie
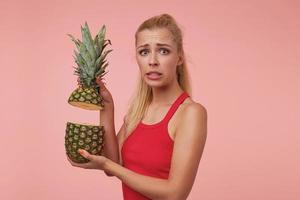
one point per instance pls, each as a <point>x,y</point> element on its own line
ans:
<point>91,63</point>
<point>83,136</point>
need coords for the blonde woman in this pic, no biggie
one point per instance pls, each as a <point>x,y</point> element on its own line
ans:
<point>157,151</point>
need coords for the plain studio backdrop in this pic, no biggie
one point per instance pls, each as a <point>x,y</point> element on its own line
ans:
<point>243,58</point>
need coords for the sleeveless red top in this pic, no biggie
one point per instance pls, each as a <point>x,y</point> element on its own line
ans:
<point>148,150</point>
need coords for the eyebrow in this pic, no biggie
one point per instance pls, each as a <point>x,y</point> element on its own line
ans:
<point>158,44</point>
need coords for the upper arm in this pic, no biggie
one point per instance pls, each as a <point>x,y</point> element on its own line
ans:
<point>120,138</point>
<point>187,150</point>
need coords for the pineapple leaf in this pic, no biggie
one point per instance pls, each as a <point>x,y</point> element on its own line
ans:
<point>104,54</point>
<point>101,70</point>
<point>103,74</point>
<point>77,42</point>
<point>97,49</point>
<point>81,65</point>
<point>103,47</point>
<point>101,36</point>
<point>85,55</point>
<point>102,63</point>
<point>95,38</point>
<point>80,59</point>
<point>97,64</point>
<point>88,41</point>
<point>90,56</point>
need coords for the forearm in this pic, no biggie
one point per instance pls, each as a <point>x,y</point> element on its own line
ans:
<point>151,187</point>
<point>111,146</point>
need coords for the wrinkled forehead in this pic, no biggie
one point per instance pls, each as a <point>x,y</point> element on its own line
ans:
<point>153,36</point>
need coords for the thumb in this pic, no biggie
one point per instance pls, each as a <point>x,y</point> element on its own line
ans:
<point>85,154</point>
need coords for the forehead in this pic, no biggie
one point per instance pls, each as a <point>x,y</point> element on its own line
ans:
<point>158,35</point>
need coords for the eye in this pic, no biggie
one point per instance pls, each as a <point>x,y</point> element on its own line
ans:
<point>143,51</point>
<point>164,51</point>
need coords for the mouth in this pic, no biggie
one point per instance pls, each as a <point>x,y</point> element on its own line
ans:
<point>153,75</point>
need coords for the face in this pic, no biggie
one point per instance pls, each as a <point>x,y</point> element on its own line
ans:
<point>157,57</point>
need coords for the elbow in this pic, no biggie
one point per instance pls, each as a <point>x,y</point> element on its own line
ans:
<point>176,194</point>
<point>172,193</point>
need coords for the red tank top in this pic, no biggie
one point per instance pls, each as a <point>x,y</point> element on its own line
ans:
<point>148,150</point>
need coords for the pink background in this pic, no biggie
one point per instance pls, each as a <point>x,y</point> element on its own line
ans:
<point>244,61</point>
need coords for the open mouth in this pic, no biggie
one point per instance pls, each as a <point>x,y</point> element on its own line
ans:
<point>153,75</point>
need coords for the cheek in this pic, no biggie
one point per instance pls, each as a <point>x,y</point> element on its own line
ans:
<point>169,60</point>
<point>141,59</point>
<point>170,66</point>
<point>140,63</point>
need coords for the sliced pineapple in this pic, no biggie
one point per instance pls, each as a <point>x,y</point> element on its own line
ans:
<point>87,98</point>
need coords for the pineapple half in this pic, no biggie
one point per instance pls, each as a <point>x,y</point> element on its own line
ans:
<point>83,136</point>
<point>91,63</point>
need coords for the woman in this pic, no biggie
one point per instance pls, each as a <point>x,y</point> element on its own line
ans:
<point>157,151</point>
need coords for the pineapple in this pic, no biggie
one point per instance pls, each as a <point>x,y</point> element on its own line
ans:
<point>91,63</point>
<point>83,136</point>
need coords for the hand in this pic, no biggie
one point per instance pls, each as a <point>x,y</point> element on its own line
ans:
<point>95,161</point>
<point>104,92</point>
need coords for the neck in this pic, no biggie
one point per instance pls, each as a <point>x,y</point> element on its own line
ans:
<point>165,95</point>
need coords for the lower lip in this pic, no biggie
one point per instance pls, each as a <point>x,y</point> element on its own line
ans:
<point>153,76</point>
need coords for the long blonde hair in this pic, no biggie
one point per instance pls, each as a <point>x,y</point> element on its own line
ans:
<point>143,93</point>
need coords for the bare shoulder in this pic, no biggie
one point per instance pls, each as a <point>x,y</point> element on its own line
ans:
<point>195,109</point>
<point>191,108</point>
<point>193,115</point>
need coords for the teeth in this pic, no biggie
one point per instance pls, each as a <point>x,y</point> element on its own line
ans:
<point>153,73</point>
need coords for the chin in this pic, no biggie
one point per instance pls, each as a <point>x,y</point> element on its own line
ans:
<point>155,84</point>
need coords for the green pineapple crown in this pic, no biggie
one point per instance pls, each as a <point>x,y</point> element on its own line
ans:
<point>90,57</point>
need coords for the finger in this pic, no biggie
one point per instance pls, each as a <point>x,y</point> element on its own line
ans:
<point>85,154</point>
<point>100,81</point>
<point>102,86</point>
<point>82,165</point>
<point>72,163</point>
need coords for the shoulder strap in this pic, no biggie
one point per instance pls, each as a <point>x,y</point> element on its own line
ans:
<point>175,105</point>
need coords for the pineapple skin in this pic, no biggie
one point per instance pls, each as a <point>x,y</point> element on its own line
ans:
<point>86,98</point>
<point>83,136</point>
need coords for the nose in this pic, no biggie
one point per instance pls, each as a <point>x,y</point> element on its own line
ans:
<point>153,60</point>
